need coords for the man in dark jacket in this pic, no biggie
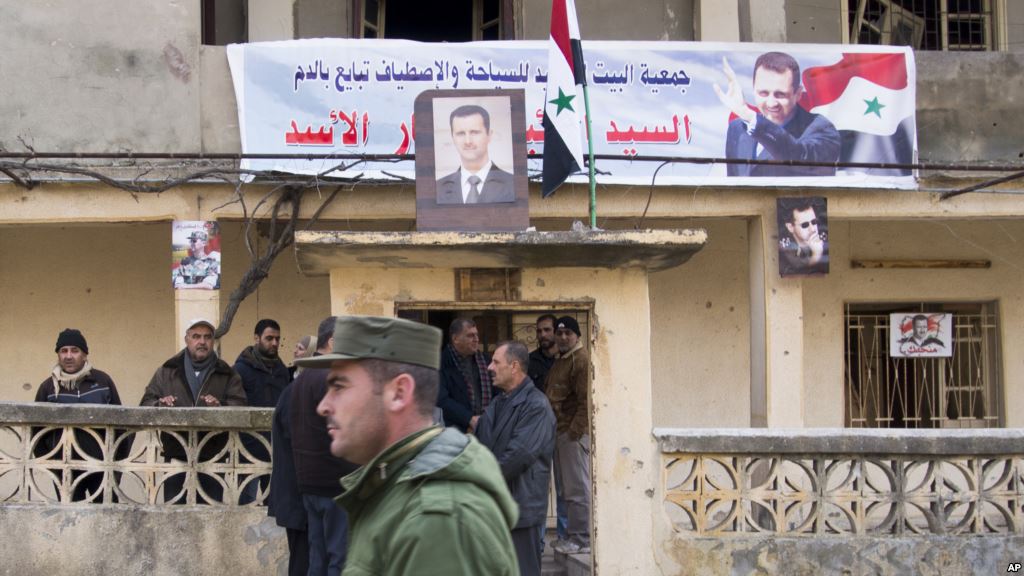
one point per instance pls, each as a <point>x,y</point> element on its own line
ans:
<point>264,378</point>
<point>465,389</point>
<point>194,377</point>
<point>73,380</point>
<point>284,503</point>
<point>316,470</point>
<point>519,428</point>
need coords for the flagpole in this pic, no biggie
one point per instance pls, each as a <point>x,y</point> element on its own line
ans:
<point>590,147</point>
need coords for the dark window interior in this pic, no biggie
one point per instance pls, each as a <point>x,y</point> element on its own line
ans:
<point>445,21</point>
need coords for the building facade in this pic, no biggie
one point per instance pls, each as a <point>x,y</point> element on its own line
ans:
<point>722,341</point>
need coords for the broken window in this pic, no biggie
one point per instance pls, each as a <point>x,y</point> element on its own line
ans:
<point>924,24</point>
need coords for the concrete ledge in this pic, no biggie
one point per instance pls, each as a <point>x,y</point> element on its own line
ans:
<point>945,442</point>
<point>12,413</point>
<point>320,252</point>
<point>849,556</point>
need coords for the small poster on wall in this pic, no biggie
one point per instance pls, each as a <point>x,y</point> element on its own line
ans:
<point>803,236</point>
<point>195,255</point>
<point>920,335</point>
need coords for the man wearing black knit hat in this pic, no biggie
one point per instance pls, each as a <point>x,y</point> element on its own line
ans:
<point>74,381</point>
<point>568,389</point>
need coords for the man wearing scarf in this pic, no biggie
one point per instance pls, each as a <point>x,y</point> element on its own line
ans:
<point>194,377</point>
<point>74,381</point>
<point>264,377</point>
<point>465,390</point>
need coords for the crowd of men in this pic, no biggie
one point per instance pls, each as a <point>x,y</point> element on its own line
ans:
<point>364,472</point>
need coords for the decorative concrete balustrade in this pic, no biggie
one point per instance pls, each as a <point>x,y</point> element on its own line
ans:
<point>832,483</point>
<point>50,453</point>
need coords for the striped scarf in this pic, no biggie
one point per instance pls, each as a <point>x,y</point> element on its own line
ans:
<point>485,379</point>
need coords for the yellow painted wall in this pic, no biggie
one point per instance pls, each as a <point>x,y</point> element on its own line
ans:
<point>700,326</point>
<point>113,283</point>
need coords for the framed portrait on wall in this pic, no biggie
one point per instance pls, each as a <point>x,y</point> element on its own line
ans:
<point>471,160</point>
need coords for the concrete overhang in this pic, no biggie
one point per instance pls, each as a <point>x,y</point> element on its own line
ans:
<point>320,252</point>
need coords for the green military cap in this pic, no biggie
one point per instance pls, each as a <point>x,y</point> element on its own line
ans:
<point>381,338</point>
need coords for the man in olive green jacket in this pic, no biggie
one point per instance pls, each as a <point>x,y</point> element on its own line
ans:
<point>425,501</point>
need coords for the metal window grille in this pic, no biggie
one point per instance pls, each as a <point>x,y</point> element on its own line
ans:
<point>963,391</point>
<point>923,24</point>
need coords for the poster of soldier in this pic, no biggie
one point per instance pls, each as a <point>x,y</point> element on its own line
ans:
<point>195,255</point>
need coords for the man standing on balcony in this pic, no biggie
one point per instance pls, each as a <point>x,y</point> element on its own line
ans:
<point>316,469</point>
<point>568,389</point>
<point>426,499</point>
<point>519,428</point>
<point>73,380</point>
<point>264,378</point>
<point>194,377</point>
<point>465,382</point>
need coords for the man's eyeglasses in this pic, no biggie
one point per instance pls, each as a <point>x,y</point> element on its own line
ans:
<point>808,224</point>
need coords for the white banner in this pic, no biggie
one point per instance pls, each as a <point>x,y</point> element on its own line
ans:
<point>344,96</point>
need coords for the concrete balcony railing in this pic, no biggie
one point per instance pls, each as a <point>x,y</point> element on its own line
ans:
<point>845,501</point>
<point>126,490</point>
<point>53,454</point>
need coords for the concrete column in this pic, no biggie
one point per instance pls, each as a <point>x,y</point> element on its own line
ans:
<point>189,304</point>
<point>767,20</point>
<point>758,359</point>
<point>776,332</point>
<point>716,20</point>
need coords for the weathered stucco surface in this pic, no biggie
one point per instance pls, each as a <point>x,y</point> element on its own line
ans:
<point>136,540</point>
<point>67,87</point>
<point>926,556</point>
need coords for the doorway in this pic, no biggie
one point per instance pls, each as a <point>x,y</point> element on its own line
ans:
<point>498,322</point>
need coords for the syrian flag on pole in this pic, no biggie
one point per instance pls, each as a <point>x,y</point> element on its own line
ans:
<point>563,146</point>
<point>870,100</point>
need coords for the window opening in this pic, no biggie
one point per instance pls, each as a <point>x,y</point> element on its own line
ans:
<point>449,21</point>
<point>963,391</point>
<point>924,24</point>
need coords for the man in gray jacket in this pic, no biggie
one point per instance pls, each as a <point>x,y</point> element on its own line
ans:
<point>519,428</point>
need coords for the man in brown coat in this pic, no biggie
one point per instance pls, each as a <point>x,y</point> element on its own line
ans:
<point>194,377</point>
<point>568,386</point>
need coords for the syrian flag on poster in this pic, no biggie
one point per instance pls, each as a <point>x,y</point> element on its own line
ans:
<point>563,146</point>
<point>870,99</point>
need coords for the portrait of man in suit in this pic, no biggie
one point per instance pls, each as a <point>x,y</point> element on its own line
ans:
<point>776,127</point>
<point>478,180</point>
